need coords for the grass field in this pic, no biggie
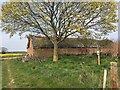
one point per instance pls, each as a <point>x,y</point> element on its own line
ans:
<point>69,72</point>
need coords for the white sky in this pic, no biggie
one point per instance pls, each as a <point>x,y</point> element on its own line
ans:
<point>17,44</point>
<point>14,43</point>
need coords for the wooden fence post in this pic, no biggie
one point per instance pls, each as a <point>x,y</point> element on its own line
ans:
<point>98,53</point>
<point>113,76</point>
<point>98,59</point>
<point>104,79</point>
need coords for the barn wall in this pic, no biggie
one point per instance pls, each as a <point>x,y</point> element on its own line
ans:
<point>48,52</point>
<point>43,53</point>
<point>30,48</point>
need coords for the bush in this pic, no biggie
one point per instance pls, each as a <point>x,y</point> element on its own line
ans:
<point>106,54</point>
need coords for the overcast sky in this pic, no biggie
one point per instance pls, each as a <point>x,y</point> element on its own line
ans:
<point>17,44</point>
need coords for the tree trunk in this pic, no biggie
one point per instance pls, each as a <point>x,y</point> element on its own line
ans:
<point>55,52</point>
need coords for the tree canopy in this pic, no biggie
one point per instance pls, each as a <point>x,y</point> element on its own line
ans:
<point>59,20</point>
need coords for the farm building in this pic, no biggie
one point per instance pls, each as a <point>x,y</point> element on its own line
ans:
<point>41,47</point>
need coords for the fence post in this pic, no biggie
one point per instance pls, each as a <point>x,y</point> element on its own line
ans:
<point>113,75</point>
<point>104,79</point>
<point>98,53</point>
<point>98,59</point>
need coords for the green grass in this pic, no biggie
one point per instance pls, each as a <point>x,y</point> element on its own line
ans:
<point>0,74</point>
<point>69,72</point>
<point>119,70</point>
<point>5,79</point>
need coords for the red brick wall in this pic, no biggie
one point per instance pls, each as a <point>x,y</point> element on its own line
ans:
<point>72,51</point>
<point>47,52</point>
<point>43,53</point>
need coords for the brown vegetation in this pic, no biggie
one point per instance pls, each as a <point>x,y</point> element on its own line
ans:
<point>113,48</point>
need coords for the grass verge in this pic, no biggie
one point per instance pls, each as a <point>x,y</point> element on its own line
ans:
<point>69,72</point>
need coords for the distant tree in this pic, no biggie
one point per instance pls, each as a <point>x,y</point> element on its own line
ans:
<point>4,50</point>
<point>59,20</point>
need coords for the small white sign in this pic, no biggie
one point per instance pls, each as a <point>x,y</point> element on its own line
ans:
<point>98,52</point>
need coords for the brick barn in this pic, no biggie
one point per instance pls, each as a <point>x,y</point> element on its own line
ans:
<point>41,47</point>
